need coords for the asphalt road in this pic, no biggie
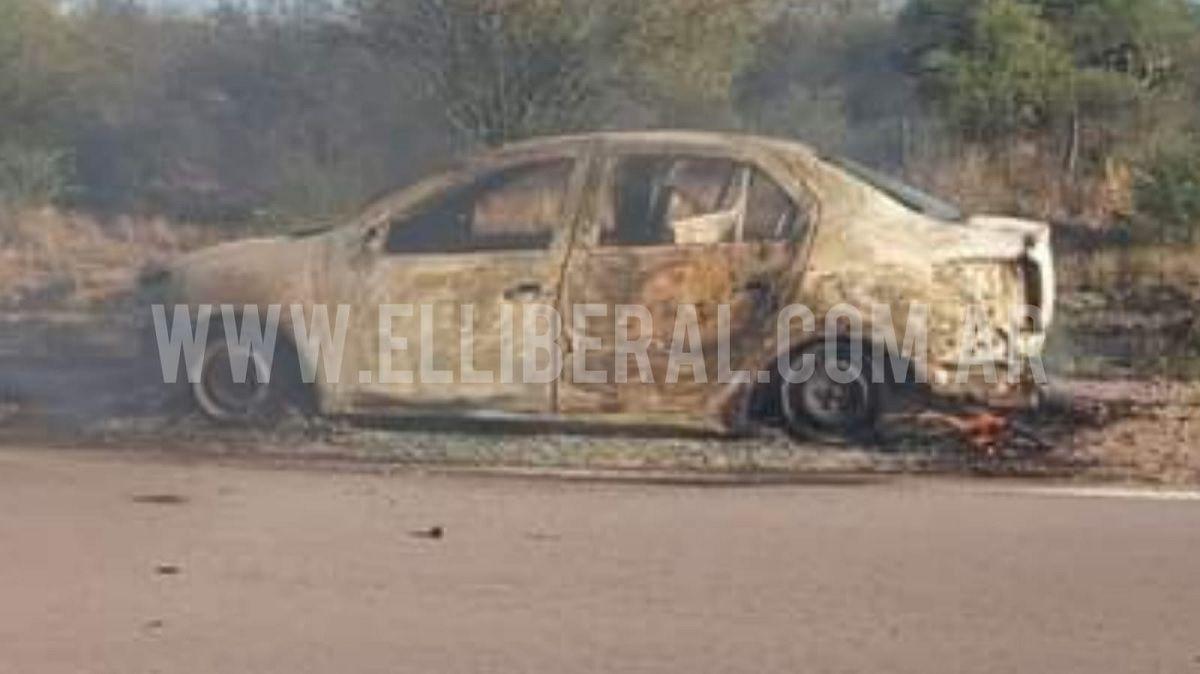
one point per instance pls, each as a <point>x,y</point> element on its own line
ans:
<point>128,564</point>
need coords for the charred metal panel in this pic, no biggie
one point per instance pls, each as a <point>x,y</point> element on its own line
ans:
<point>750,279</point>
<point>442,285</point>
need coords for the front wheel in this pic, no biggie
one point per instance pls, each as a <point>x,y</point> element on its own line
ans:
<point>833,395</point>
<point>222,396</point>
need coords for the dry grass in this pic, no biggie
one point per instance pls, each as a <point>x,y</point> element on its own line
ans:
<point>1128,312</point>
<point>50,258</point>
<point>1159,265</point>
<point>1025,182</point>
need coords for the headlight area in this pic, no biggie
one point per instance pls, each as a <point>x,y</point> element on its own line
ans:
<point>153,283</point>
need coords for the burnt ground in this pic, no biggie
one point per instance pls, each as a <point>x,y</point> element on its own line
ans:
<point>74,379</point>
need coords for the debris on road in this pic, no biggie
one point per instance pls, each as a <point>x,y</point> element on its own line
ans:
<point>434,532</point>
<point>159,499</point>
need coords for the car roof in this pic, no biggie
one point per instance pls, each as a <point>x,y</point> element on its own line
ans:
<point>657,140</point>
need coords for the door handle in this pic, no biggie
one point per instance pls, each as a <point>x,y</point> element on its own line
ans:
<point>529,290</point>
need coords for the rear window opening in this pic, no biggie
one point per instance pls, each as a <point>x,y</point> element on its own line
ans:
<point>909,196</point>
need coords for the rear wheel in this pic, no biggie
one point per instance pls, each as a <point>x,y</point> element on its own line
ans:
<point>838,401</point>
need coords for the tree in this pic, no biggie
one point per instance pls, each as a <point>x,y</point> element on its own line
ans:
<point>1139,39</point>
<point>37,71</point>
<point>682,57</point>
<point>500,69</point>
<point>1132,59</point>
<point>506,69</point>
<point>825,71</point>
<point>37,61</point>
<point>995,67</point>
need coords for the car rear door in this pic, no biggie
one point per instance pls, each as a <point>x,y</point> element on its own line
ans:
<point>674,242</point>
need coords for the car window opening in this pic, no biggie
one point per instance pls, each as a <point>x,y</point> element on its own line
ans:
<point>689,200</point>
<point>907,195</point>
<point>518,208</point>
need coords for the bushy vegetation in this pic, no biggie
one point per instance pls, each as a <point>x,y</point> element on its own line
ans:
<point>1168,196</point>
<point>33,176</point>
<point>305,109</point>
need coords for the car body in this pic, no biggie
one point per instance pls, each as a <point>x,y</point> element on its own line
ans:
<point>561,221</point>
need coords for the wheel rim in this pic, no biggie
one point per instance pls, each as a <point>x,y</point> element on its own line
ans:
<point>824,403</point>
<point>220,394</point>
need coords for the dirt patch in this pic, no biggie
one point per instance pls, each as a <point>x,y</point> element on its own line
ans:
<point>1147,429</point>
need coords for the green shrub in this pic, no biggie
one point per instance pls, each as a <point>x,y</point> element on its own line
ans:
<point>31,176</point>
<point>1167,195</point>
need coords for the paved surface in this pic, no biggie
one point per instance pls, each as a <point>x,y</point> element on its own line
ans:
<point>128,564</point>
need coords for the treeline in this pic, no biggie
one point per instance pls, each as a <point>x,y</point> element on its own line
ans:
<point>1064,109</point>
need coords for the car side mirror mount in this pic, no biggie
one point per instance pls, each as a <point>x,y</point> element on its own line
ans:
<point>371,238</point>
<point>365,246</point>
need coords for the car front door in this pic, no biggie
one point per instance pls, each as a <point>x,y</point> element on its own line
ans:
<point>675,242</point>
<point>440,311</point>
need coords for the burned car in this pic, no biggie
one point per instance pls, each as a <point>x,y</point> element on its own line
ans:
<point>622,238</point>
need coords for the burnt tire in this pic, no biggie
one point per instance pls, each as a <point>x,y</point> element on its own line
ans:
<point>254,400</point>
<point>835,408</point>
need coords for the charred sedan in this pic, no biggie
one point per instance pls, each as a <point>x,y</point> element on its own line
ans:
<point>675,277</point>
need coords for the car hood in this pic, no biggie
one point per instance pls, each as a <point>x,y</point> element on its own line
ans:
<point>247,271</point>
